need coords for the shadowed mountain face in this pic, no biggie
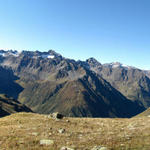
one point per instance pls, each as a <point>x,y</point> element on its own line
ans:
<point>9,106</point>
<point>146,113</point>
<point>87,96</point>
<point>52,83</point>
<point>131,82</point>
<point>147,72</point>
<point>8,84</point>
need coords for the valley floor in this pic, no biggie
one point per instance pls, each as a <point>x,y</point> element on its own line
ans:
<point>23,131</point>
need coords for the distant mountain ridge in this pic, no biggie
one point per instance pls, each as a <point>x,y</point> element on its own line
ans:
<point>49,82</point>
<point>130,81</point>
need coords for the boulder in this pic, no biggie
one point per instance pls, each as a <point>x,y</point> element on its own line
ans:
<point>99,148</point>
<point>61,130</point>
<point>66,148</point>
<point>56,115</point>
<point>46,142</point>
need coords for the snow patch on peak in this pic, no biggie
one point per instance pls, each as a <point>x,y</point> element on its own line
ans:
<point>51,56</point>
<point>14,53</point>
<point>123,65</point>
<point>115,64</point>
<point>47,56</point>
<point>6,53</point>
<point>2,54</point>
<point>118,65</point>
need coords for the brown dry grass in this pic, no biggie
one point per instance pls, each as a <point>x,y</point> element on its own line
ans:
<point>18,132</point>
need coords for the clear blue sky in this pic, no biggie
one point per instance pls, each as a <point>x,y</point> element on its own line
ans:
<point>109,30</point>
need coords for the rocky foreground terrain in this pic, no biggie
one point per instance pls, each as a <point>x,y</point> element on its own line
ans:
<point>28,131</point>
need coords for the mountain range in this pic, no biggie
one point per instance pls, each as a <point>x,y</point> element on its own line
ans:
<point>132,82</point>
<point>47,82</point>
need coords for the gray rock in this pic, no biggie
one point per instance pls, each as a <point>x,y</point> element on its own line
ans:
<point>99,148</point>
<point>34,133</point>
<point>46,142</point>
<point>55,115</point>
<point>61,131</point>
<point>66,148</point>
<point>21,142</point>
<point>50,134</point>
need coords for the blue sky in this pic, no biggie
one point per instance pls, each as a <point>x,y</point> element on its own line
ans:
<point>109,30</point>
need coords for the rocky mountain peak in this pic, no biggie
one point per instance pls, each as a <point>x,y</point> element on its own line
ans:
<point>93,62</point>
<point>118,65</point>
<point>51,54</point>
<point>5,53</point>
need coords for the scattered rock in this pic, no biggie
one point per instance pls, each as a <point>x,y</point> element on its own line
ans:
<point>80,136</point>
<point>50,134</point>
<point>66,148</point>
<point>46,142</point>
<point>61,130</point>
<point>50,128</point>
<point>99,148</point>
<point>34,133</point>
<point>122,144</point>
<point>21,142</point>
<point>56,115</point>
